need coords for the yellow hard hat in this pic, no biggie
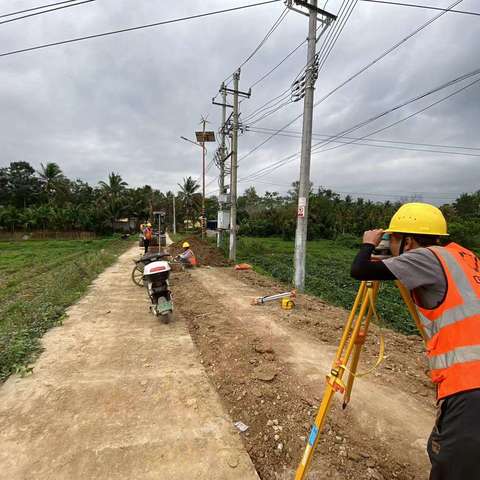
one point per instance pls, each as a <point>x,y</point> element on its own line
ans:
<point>186,245</point>
<point>419,219</point>
<point>149,224</point>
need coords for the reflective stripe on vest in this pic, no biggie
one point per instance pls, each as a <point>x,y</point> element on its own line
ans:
<point>459,355</point>
<point>453,327</point>
<point>471,301</point>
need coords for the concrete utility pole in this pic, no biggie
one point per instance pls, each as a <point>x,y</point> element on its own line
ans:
<point>223,148</point>
<point>304,183</point>
<point>233,175</point>
<point>235,126</point>
<point>204,226</point>
<point>174,217</point>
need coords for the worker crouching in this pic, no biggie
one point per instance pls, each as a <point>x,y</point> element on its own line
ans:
<point>187,257</point>
<point>444,283</point>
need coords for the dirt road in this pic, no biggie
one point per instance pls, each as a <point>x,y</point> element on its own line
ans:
<point>269,366</point>
<point>117,395</point>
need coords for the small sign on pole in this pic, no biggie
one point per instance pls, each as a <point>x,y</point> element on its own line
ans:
<point>302,203</point>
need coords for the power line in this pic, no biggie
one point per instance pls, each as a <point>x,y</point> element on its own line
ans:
<point>285,93</point>
<point>330,38</point>
<point>270,168</point>
<point>435,90</point>
<point>325,49</point>
<point>44,11</point>
<point>323,53</point>
<point>391,146</point>
<point>35,8</point>
<point>283,102</point>
<point>295,133</point>
<point>426,7</point>
<point>355,75</point>
<point>263,77</point>
<point>266,106</point>
<point>344,6</point>
<point>140,27</point>
<point>275,25</point>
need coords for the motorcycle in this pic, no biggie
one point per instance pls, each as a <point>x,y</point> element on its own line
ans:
<point>155,279</point>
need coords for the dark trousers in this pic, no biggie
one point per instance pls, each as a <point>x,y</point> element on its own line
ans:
<point>454,445</point>
<point>146,244</point>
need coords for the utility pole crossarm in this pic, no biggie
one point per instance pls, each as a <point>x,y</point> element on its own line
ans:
<point>221,104</point>
<point>234,91</point>
<point>310,6</point>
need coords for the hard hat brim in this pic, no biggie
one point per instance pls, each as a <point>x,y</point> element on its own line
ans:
<point>416,232</point>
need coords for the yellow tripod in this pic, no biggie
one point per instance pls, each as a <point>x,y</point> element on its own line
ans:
<point>348,356</point>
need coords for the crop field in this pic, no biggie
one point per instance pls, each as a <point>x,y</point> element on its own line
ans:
<point>327,274</point>
<point>38,281</point>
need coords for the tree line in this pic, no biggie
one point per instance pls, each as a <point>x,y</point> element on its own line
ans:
<point>47,199</point>
<point>334,217</point>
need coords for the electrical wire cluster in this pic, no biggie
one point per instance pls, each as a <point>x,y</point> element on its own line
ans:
<point>318,147</point>
<point>394,47</point>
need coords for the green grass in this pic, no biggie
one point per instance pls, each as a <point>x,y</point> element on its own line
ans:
<point>327,274</point>
<point>38,281</point>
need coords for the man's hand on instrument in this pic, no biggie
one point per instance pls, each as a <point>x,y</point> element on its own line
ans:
<point>373,236</point>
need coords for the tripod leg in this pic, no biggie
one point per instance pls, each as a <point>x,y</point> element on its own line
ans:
<point>359,299</point>
<point>370,298</point>
<point>334,380</point>
<point>360,340</point>
<point>316,428</point>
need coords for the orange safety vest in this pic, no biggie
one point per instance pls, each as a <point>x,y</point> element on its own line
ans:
<point>192,259</point>
<point>453,327</point>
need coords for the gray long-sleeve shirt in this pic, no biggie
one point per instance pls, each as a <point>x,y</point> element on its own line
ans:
<point>421,271</point>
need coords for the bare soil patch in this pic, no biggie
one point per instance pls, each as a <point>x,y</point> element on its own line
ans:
<point>264,362</point>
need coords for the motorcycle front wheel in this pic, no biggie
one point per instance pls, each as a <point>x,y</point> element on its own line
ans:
<point>137,275</point>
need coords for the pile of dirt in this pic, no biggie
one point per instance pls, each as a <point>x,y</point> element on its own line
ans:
<point>207,254</point>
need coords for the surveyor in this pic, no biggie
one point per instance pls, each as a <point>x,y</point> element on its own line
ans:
<point>187,257</point>
<point>147,235</point>
<point>444,283</point>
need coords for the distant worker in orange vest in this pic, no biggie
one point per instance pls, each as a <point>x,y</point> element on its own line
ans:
<point>187,257</point>
<point>445,286</point>
<point>147,235</point>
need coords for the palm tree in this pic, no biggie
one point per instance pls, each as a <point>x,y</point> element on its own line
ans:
<point>52,179</point>
<point>189,196</point>
<point>115,185</point>
<point>112,195</point>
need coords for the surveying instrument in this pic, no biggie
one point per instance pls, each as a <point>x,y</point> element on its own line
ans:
<point>348,352</point>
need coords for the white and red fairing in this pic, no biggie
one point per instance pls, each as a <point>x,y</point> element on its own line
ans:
<point>156,267</point>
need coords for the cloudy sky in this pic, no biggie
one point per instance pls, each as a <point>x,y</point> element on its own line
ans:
<point>121,103</point>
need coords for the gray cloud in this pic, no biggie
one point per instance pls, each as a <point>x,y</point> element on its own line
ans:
<point>121,103</point>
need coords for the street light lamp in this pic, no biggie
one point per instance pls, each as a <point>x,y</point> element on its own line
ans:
<point>191,141</point>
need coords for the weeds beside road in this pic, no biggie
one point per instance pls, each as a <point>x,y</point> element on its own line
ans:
<point>38,281</point>
<point>327,274</point>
